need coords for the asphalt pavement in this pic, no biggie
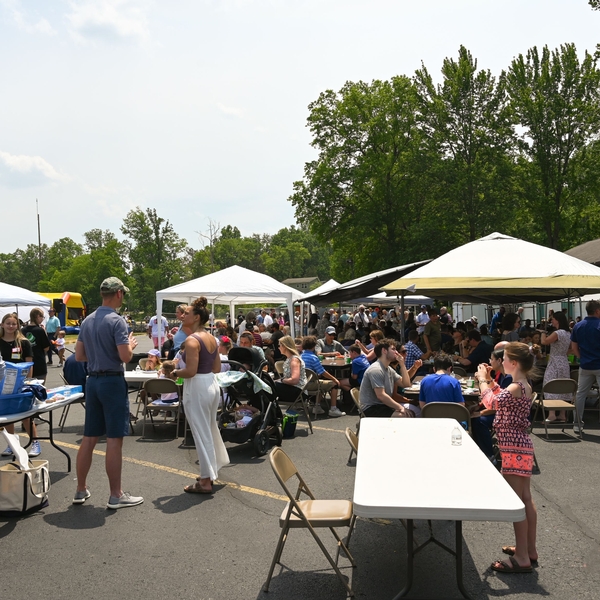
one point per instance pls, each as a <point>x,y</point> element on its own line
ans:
<point>219,547</point>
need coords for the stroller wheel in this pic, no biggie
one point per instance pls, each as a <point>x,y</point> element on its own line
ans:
<point>261,442</point>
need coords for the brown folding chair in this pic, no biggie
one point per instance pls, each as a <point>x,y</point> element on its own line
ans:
<point>301,398</point>
<point>309,514</point>
<point>558,386</point>
<point>160,386</point>
<point>447,410</point>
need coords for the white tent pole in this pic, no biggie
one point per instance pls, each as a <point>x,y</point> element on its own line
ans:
<point>290,305</point>
<point>159,304</point>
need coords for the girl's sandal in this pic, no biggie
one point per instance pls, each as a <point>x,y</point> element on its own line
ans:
<point>196,488</point>
<point>510,550</point>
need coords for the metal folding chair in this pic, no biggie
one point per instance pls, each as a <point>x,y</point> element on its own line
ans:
<point>309,514</point>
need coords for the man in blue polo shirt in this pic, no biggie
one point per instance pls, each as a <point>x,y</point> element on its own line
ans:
<point>585,340</point>
<point>327,382</point>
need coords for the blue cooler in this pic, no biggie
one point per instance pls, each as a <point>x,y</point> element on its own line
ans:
<point>12,404</point>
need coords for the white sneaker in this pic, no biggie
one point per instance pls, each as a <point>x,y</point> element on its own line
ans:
<point>576,428</point>
<point>317,410</point>
<point>124,501</point>
<point>35,450</point>
<point>334,411</point>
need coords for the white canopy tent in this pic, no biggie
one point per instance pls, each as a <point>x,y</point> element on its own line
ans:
<point>233,286</point>
<point>21,301</point>
<point>500,268</point>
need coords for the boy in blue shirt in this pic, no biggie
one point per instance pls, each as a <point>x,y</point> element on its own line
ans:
<point>359,365</point>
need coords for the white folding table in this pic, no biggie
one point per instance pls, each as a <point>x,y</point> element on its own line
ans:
<point>447,482</point>
<point>36,412</point>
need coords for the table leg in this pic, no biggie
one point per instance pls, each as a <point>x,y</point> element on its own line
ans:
<point>410,559</point>
<point>50,437</point>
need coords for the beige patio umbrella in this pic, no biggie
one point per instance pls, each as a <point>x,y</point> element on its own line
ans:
<point>500,268</point>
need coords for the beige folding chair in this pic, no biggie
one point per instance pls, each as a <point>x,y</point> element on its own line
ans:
<point>160,386</point>
<point>447,410</point>
<point>314,389</point>
<point>558,386</point>
<point>279,367</point>
<point>352,438</point>
<point>65,410</point>
<point>301,399</point>
<point>309,514</point>
<point>355,394</point>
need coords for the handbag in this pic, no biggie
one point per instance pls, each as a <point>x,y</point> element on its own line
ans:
<point>23,491</point>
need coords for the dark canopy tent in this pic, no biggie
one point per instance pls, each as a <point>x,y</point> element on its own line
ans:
<point>364,286</point>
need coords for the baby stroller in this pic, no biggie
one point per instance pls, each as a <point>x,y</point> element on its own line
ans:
<point>250,410</point>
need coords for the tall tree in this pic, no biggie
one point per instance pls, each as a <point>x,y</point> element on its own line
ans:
<point>364,193</point>
<point>466,123</point>
<point>156,255</point>
<point>556,100</point>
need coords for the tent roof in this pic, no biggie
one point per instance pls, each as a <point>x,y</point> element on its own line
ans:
<point>329,285</point>
<point>11,295</point>
<point>234,284</point>
<point>589,252</point>
<point>502,268</point>
<point>361,287</point>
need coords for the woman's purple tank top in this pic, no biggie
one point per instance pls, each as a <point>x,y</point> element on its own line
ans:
<point>206,358</point>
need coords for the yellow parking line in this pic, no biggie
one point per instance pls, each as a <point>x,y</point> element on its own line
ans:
<point>186,474</point>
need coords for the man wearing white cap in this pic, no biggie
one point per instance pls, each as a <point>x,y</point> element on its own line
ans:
<point>422,320</point>
<point>361,318</point>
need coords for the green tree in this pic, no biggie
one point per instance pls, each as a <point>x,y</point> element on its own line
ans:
<point>59,258</point>
<point>295,252</point>
<point>466,123</point>
<point>556,101</point>
<point>156,256</point>
<point>364,193</point>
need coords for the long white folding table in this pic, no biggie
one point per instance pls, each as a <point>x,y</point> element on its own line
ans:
<point>447,482</point>
<point>36,412</point>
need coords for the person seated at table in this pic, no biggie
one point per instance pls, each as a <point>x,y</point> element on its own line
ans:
<point>74,372</point>
<point>441,386</point>
<point>474,351</point>
<point>375,336</point>
<point>379,395</point>
<point>415,367</point>
<point>329,346</point>
<point>413,352</point>
<point>432,333</point>
<point>294,371</point>
<point>153,362</point>
<point>358,367</point>
<point>327,382</point>
<point>485,336</point>
<point>349,334</point>
<point>246,340</point>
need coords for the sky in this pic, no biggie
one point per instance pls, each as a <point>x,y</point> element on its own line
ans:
<point>198,108</point>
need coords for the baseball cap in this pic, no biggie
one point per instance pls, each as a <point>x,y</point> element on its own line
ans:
<point>113,284</point>
<point>154,352</point>
<point>330,330</point>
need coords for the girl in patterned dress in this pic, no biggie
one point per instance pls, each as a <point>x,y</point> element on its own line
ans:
<point>513,406</point>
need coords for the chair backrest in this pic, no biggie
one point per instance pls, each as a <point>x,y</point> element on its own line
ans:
<point>447,410</point>
<point>574,374</point>
<point>161,386</point>
<point>459,371</point>
<point>560,386</point>
<point>279,367</point>
<point>352,439</point>
<point>284,470</point>
<point>142,363</point>
<point>355,394</point>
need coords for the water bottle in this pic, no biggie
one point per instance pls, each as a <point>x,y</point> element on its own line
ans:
<point>457,436</point>
<point>138,368</point>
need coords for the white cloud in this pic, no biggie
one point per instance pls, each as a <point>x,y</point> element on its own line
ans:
<point>231,111</point>
<point>26,20</point>
<point>20,170</point>
<point>108,20</point>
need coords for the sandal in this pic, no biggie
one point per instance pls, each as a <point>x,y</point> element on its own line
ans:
<point>514,567</point>
<point>196,488</point>
<point>510,550</point>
